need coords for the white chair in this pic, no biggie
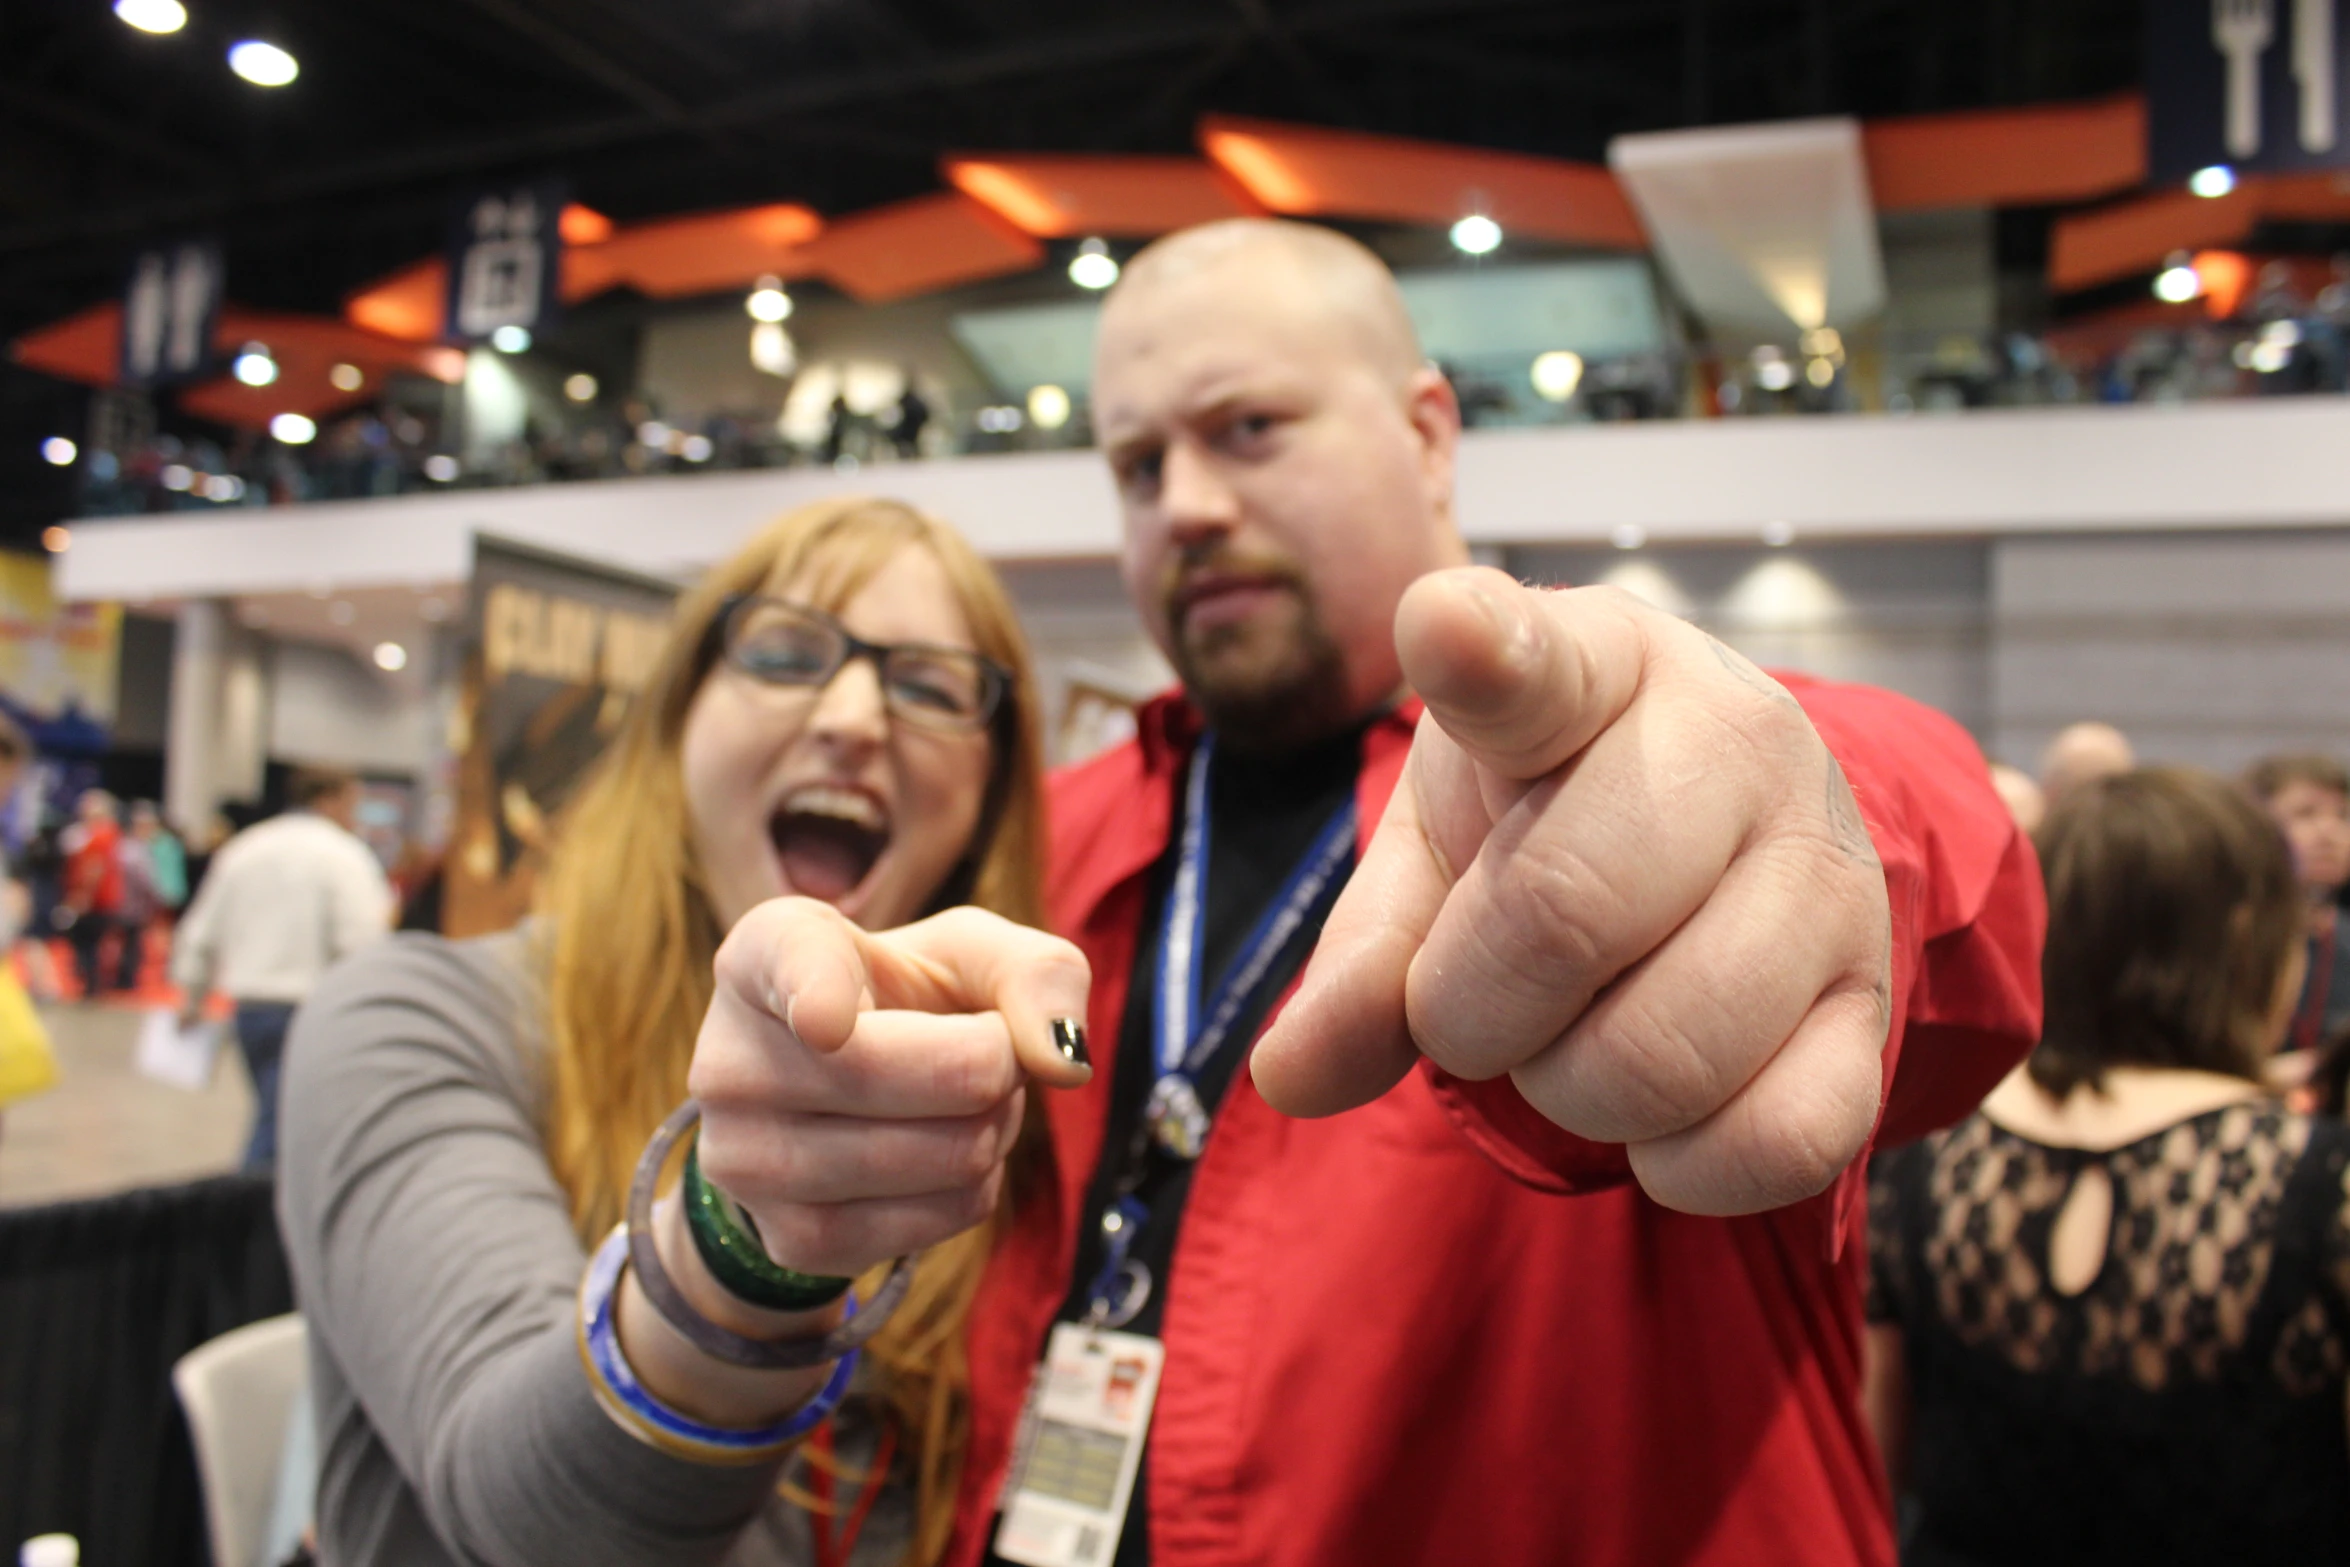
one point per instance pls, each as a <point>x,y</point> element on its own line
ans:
<point>239,1391</point>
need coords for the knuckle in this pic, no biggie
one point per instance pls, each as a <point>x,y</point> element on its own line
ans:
<point>1550,910</point>
<point>1644,1069</point>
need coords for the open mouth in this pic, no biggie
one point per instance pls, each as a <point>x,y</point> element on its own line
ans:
<point>828,840</point>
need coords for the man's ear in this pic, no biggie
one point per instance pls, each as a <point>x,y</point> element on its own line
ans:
<point>1435,415</point>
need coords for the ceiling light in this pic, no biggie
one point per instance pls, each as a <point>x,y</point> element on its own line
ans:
<point>1093,266</point>
<point>768,301</point>
<point>580,388</point>
<point>294,429</point>
<point>153,16</point>
<point>998,419</point>
<point>1627,535</point>
<point>1476,235</point>
<point>1048,407</point>
<point>511,339</point>
<point>1774,375</point>
<point>2177,284</point>
<point>390,657</point>
<point>1778,535</point>
<point>264,65</point>
<point>346,378</point>
<point>1820,372</point>
<point>57,538</point>
<point>176,476</point>
<point>224,488</point>
<point>1557,374</point>
<point>440,467</point>
<point>254,365</point>
<point>59,452</point>
<point>696,448</point>
<point>2212,183</point>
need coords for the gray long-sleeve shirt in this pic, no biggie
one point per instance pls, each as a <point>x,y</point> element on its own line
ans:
<point>435,1261</point>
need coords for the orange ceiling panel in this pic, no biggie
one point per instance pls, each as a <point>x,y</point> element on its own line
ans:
<point>1065,197</point>
<point>407,305</point>
<point>2319,197</point>
<point>1309,172</point>
<point>2135,236</point>
<point>913,247</point>
<point>2007,157</point>
<point>86,348</point>
<point>698,254</point>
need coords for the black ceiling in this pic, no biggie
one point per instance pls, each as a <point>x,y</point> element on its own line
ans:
<point>650,106</point>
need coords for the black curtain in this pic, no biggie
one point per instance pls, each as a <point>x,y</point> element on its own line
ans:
<point>97,1300</point>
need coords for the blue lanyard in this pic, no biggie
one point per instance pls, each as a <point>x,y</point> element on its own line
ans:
<point>1185,1034</point>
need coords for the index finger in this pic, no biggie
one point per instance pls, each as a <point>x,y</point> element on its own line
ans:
<point>1521,678</point>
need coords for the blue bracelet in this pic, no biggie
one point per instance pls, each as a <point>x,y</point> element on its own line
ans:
<point>645,1417</point>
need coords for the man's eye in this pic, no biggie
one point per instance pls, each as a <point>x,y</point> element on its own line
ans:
<point>1142,472</point>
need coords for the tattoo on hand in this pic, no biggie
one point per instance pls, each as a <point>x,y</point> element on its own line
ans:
<point>1844,819</point>
<point>1750,676</point>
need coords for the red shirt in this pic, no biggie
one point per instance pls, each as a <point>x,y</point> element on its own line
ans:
<point>93,869</point>
<point>1439,1329</point>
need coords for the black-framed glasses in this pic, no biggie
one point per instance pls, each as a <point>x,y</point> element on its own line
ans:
<point>781,643</point>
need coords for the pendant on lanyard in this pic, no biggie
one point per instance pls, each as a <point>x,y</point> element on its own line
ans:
<point>1185,1036</point>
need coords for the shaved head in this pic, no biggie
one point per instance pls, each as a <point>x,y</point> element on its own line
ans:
<point>2082,753</point>
<point>1284,458</point>
<point>1340,275</point>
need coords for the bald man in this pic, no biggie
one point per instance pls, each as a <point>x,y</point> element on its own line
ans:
<point>2083,753</point>
<point>1618,938</point>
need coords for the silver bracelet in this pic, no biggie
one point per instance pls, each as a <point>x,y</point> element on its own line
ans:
<point>788,1354</point>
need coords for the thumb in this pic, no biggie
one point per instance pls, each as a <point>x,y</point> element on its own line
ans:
<point>1343,1041</point>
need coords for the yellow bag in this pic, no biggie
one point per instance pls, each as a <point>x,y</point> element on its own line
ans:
<point>27,1063</point>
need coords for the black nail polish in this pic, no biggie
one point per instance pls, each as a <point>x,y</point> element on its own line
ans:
<point>1069,1040</point>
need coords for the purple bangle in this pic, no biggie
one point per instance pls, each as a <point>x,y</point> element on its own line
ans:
<point>789,1354</point>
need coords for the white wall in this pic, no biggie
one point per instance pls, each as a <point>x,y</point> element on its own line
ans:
<point>327,707</point>
<point>2210,650</point>
<point>1913,617</point>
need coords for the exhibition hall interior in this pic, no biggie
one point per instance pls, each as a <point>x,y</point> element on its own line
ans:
<point>1405,759</point>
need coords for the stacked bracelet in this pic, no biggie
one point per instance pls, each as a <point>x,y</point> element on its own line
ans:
<point>721,1343</point>
<point>729,1243</point>
<point>654,1423</point>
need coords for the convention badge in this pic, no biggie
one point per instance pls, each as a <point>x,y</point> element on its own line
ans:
<point>1080,1446</point>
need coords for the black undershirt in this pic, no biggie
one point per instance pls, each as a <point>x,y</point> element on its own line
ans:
<point>1263,815</point>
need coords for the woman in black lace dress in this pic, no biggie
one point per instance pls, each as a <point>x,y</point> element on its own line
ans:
<point>2111,1310</point>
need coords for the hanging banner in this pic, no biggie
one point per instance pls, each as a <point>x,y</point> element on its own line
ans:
<point>170,309</point>
<point>2257,85</point>
<point>555,649</point>
<point>505,260</point>
<point>60,664</point>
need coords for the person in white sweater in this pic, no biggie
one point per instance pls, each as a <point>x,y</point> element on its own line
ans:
<point>284,901</point>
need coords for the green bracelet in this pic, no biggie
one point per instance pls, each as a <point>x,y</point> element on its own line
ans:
<point>729,1243</point>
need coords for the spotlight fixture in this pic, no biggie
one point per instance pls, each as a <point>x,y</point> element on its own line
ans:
<point>1476,235</point>
<point>511,339</point>
<point>346,378</point>
<point>2178,283</point>
<point>580,388</point>
<point>1093,266</point>
<point>57,538</point>
<point>59,452</point>
<point>2213,182</point>
<point>263,64</point>
<point>1048,407</point>
<point>153,16</point>
<point>767,301</point>
<point>294,429</point>
<point>390,657</point>
<point>441,468</point>
<point>1557,374</point>
<point>254,365</point>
